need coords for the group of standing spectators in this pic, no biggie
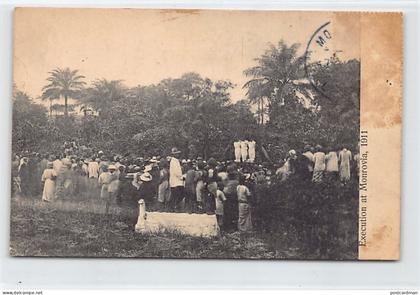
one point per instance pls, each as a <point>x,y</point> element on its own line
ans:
<point>172,184</point>
<point>321,164</point>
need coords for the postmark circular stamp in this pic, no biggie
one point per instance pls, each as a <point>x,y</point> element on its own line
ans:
<point>317,56</point>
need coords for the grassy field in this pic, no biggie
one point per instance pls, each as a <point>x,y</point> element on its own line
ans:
<point>77,226</point>
<point>40,229</point>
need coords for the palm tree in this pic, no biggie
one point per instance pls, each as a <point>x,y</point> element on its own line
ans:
<point>102,93</point>
<point>63,83</point>
<point>274,76</point>
<point>50,95</point>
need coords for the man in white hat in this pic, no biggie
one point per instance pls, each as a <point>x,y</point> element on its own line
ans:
<point>176,181</point>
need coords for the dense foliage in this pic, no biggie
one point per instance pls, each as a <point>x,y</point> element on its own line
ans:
<point>281,111</point>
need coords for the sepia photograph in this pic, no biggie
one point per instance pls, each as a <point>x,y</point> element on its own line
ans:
<point>194,134</point>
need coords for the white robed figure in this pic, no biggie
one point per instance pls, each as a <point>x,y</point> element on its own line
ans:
<point>48,177</point>
<point>237,146</point>
<point>244,150</point>
<point>344,158</point>
<point>251,150</point>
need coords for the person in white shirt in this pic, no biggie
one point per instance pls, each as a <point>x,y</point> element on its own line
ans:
<point>319,166</point>
<point>93,173</point>
<point>93,169</point>
<point>176,181</point>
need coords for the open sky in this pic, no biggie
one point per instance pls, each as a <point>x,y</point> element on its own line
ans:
<point>143,47</point>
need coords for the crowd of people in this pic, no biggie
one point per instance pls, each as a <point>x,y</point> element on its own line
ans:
<point>174,184</point>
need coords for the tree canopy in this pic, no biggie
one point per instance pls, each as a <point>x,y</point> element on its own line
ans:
<point>297,112</point>
<point>63,83</point>
<point>280,111</point>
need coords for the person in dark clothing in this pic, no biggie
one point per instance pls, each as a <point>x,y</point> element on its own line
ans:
<point>190,188</point>
<point>212,179</point>
<point>24,177</point>
<point>300,166</point>
<point>155,179</point>
<point>122,177</point>
<point>231,210</point>
<point>146,188</point>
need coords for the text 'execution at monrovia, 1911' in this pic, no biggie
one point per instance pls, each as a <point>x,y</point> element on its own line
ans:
<point>363,188</point>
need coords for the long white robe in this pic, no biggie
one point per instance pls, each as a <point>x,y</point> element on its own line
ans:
<point>319,160</point>
<point>244,150</point>
<point>331,161</point>
<point>48,177</point>
<point>251,151</point>
<point>237,146</point>
<point>344,157</point>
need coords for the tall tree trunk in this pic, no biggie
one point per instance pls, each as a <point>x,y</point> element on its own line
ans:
<point>259,112</point>
<point>262,110</point>
<point>206,147</point>
<point>50,108</point>
<point>66,111</point>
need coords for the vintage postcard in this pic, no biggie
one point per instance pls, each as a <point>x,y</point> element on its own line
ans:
<point>206,134</point>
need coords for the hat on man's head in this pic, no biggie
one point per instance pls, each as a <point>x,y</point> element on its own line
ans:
<point>112,167</point>
<point>146,177</point>
<point>175,151</point>
<point>148,168</point>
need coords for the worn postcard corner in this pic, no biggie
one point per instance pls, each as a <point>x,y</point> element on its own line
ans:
<point>206,134</point>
